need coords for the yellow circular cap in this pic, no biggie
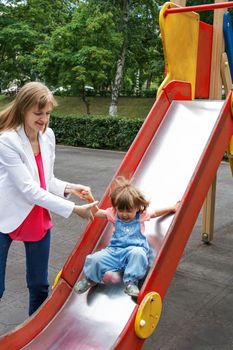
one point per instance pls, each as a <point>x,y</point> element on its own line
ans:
<point>148,315</point>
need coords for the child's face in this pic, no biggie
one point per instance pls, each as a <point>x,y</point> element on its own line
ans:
<point>126,215</point>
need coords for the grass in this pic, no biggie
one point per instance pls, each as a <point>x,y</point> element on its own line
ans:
<point>4,100</point>
<point>130,107</point>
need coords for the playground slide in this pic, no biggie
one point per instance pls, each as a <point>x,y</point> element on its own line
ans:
<point>174,157</point>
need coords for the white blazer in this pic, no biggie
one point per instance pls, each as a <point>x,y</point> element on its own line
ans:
<point>19,179</point>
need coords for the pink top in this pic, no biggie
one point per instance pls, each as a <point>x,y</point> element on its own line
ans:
<point>111,216</point>
<point>38,222</point>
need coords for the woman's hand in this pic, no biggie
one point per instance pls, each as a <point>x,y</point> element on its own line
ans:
<point>77,190</point>
<point>176,206</point>
<point>84,211</point>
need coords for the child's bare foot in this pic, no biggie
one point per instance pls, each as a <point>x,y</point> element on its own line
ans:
<point>112,277</point>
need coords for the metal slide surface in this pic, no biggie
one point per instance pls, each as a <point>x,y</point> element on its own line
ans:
<point>95,320</point>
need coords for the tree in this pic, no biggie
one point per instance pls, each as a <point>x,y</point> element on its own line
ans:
<point>145,60</point>
<point>17,40</point>
<point>106,44</point>
<point>116,84</point>
<point>24,26</point>
<point>82,52</point>
<point>136,22</point>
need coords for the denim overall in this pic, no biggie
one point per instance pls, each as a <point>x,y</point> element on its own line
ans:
<point>127,252</point>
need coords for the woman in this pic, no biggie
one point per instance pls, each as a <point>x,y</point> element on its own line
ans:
<point>28,188</point>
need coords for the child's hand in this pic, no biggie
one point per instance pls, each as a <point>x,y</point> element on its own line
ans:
<point>78,190</point>
<point>87,196</point>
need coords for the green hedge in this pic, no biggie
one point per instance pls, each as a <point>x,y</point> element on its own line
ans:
<point>95,132</point>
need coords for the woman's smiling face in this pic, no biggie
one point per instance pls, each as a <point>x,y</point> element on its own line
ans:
<point>36,119</point>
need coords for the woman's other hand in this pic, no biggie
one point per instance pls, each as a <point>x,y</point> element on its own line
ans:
<point>84,211</point>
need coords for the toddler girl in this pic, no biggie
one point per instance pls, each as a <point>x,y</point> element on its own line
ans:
<point>128,250</point>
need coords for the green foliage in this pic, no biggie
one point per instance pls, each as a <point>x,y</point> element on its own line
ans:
<point>77,43</point>
<point>137,21</point>
<point>24,26</point>
<point>82,52</point>
<point>205,16</point>
<point>95,132</point>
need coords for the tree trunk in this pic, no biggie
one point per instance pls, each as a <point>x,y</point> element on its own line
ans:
<point>137,83</point>
<point>148,82</point>
<point>116,85</point>
<point>86,101</point>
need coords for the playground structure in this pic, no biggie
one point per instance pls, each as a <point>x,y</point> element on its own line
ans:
<point>174,122</point>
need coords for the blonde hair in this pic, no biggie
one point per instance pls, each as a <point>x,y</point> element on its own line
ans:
<point>31,94</point>
<point>125,196</point>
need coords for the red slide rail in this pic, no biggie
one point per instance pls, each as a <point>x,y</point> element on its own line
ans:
<point>198,8</point>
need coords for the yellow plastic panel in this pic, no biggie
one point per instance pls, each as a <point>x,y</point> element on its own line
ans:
<point>179,32</point>
<point>148,315</point>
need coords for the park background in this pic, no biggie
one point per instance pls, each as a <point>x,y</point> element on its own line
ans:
<point>102,59</point>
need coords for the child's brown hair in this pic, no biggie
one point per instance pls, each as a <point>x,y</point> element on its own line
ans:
<point>125,196</point>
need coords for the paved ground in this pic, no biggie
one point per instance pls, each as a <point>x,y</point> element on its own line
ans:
<point>198,308</point>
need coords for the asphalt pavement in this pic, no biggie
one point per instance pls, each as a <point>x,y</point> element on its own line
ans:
<point>198,308</point>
